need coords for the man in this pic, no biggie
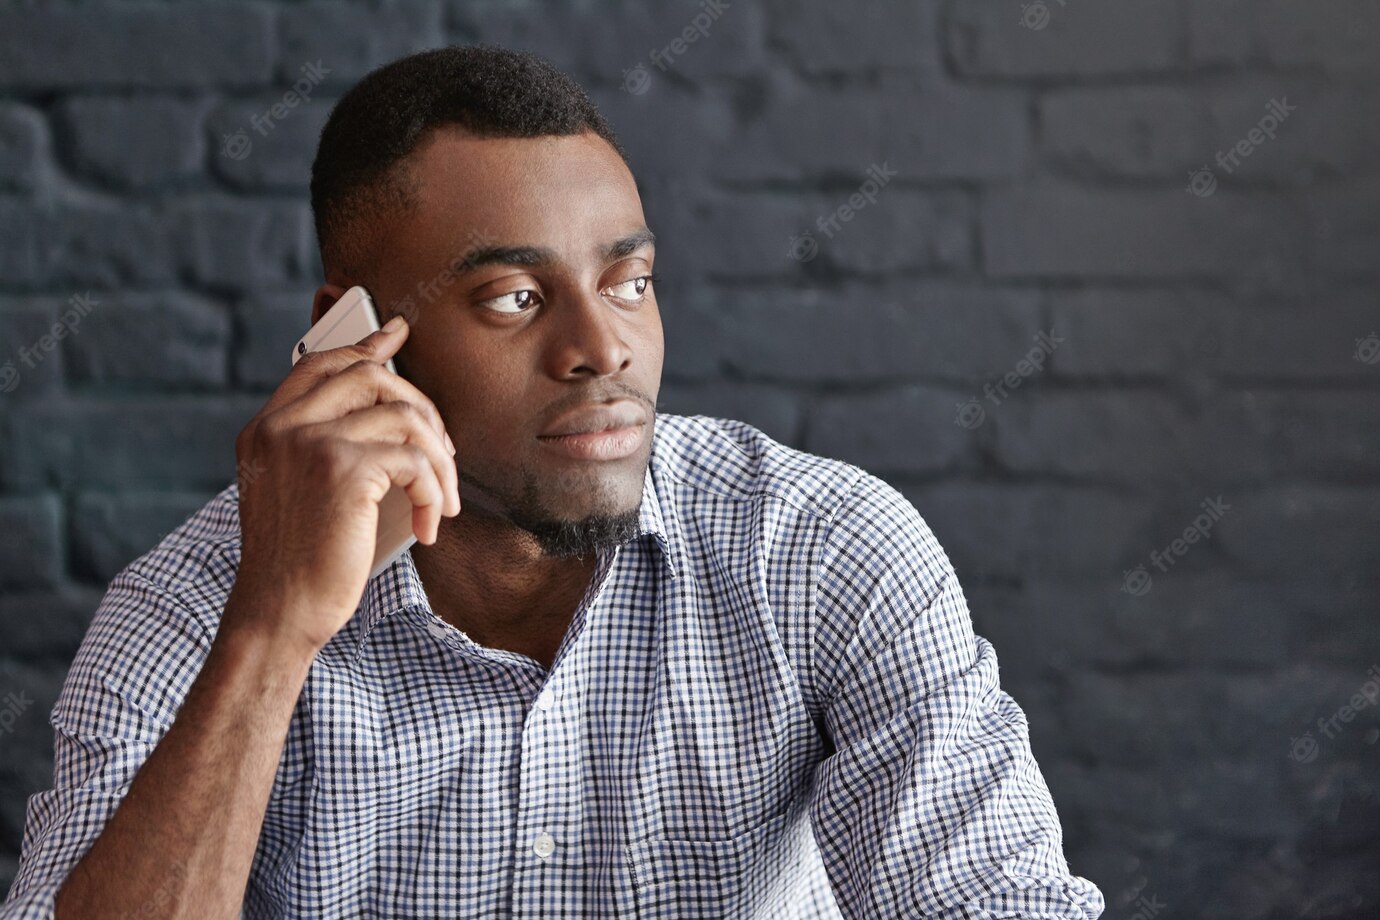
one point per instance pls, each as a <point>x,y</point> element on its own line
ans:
<point>658,665</point>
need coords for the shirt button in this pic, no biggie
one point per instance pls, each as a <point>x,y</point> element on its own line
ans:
<point>546,699</point>
<point>544,845</point>
<point>436,628</point>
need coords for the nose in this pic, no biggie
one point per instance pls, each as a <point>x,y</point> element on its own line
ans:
<point>588,337</point>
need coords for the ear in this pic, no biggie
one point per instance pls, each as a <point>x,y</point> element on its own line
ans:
<point>325,298</point>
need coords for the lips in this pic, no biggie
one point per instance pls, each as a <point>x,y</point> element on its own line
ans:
<point>601,417</point>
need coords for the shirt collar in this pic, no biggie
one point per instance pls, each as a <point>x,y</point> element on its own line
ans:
<point>399,587</point>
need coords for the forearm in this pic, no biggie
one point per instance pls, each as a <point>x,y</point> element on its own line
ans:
<point>182,840</point>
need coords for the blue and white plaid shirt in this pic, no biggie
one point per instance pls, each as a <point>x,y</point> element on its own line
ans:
<point>769,704</point>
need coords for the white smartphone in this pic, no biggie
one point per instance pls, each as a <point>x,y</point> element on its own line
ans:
<point>350,319</point>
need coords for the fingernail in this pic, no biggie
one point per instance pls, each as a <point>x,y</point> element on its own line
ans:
<point>393,325</point>
<point>450,444</point>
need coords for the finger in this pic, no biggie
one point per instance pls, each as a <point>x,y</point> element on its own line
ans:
<point>398,422</point>
<point>312,367</point>
<point>407,466</point>
<point>358,386</point>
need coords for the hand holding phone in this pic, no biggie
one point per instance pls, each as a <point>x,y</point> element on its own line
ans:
<point>340,434</point>
<point>349,320</point>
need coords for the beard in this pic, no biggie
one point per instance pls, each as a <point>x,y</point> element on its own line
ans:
<point>525,506</point>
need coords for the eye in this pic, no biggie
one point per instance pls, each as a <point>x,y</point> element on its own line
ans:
<point>519,299</point>
<point>634,289</point>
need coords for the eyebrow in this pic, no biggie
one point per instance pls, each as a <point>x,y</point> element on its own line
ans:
<point>540,256</point>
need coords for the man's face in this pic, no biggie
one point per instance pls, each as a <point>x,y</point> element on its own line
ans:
<point>553,319</point>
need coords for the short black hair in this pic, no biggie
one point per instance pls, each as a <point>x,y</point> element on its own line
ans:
<point>486,90</point>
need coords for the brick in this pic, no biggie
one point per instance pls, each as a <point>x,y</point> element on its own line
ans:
<point>766,234</point>
<point>1010,530</point>
<point>1218,797</point>
<point>928,330</point>
<point>1050,230</point>
<point>243,244</point>
<point>348,40</point>
<point>1319,135</point>
<point>1063,39</point>
<point>266,326</point>
<point>46,624</point>
<point>1304,530</point>
<point>208,240</point>
<point>827,37</point>
<point>1171,333</point>
<point>28,370</point>
<point>777,412</point>
<point>268,144</point>
<point>86,245</point>
<point>134,143</point>
<point>731,44</point>
<point>153,442</point>
<point>1125,131</point>
<point>45,48</point>
<point>901,431</point>
<point>1185,620</point>
<point>1135,437</point>
<point>110,530</point>
<point>23,139</point>
<point>921,129</point>
<point>1345,229</point>
<point>1337,35</point>
<point>1185,717</point>
<point>166,340</point>
<point>31,551</point>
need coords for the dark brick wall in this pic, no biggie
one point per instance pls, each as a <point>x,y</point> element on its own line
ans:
<point>1050,314</point>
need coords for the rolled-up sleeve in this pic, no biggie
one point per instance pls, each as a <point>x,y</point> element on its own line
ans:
<point>138,658</point>
<point>930,803</point>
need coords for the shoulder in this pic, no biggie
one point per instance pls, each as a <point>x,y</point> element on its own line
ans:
<point>727,460</point>
<point>194,566</point>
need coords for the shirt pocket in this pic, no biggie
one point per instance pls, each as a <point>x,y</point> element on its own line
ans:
<point>701,877</point>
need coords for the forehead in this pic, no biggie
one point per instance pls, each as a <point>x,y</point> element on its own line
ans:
<point>556,191</point>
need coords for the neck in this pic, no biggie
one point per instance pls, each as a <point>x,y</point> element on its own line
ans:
<point>491,580</point>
